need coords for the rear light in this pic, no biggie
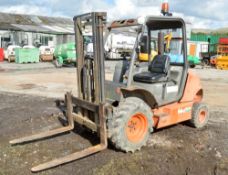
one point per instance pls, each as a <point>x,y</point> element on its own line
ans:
<point>165,7</point>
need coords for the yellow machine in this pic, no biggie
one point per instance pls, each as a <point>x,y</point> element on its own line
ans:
<point>222,58</point>
<point>144,56</point>
<point>168,38</point>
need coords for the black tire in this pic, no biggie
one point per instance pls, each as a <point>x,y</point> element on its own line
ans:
<point>197,110</point>
<point>206,62</point>
<point>57,64</point>
<point>192,65</point>
<point>128,108</point>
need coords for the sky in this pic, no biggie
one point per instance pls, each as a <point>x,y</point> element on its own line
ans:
<point>201,13</point>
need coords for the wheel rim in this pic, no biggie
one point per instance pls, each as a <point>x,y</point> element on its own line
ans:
<point>136,127</point>
<point>202,116</point>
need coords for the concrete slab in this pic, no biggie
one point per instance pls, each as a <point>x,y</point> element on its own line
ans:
<point>40,80</point>
<point>6,66</point>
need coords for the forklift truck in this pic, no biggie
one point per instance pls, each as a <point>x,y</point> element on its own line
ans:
<point>149,95</point>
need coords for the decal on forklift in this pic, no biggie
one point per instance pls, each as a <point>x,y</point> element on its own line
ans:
<point>184,110</point>
<point>172,89</point>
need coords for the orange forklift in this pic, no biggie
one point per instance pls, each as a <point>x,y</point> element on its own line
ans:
<point>141,97</point>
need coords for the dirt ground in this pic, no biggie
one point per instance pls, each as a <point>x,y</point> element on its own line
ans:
<point>180,149</point>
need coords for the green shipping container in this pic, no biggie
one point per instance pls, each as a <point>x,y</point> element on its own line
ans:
<point>205,37</point>
<point>213,38</point>
<point>27,55</point>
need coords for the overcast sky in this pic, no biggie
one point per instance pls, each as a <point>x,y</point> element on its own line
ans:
<point>201,13</point>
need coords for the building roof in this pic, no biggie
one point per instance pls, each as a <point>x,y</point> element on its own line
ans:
<point>32,23</point>
<point>222,30</point>
<point>210,31</point>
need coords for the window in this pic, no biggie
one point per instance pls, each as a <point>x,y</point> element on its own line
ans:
<point>171,45</point>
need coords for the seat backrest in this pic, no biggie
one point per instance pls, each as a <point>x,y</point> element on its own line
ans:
<point>160,64</point>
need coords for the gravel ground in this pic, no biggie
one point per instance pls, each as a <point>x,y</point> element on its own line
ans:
<point>175,150</point>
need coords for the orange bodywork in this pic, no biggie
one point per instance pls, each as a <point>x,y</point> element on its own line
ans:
<point>193,90</point>
<point>180,111</point>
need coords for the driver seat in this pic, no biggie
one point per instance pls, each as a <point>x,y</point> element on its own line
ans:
<point>158,71</point>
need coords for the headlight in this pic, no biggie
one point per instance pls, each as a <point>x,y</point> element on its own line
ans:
<point>142,19</point>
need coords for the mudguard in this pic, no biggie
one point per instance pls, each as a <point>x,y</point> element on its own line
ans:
<point>140,93</point>
<point>193,88</point>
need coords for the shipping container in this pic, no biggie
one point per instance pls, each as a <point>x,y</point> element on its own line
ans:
<point>213,39</point>
<point>223,40</point>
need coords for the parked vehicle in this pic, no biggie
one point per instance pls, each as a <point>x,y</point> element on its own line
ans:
<point>149,96</point>
<point>193,61</point>
<point>10,53</point>
<point>65,54</point>
<point>119,45</point>
<point>46,53</point>
<point>222,52</point>
<point>217,54</point>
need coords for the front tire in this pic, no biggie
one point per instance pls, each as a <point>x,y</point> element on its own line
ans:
<point>57,64</point>
<point>131,124</point>
<point>192,66</point>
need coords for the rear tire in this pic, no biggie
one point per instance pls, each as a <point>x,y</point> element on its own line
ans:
<point>131,124</point>
<point>200,115</point>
